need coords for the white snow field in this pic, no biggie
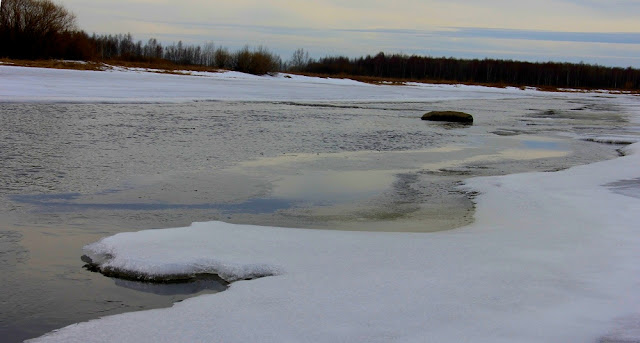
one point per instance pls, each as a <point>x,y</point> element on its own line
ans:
<point>550,257</point>
<point>19,84</point>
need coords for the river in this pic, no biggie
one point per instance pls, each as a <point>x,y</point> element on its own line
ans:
<point>73,173</point>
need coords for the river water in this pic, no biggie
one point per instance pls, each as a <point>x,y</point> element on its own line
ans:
<point>73,173</point>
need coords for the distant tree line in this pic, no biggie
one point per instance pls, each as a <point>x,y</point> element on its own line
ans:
<point>40,29</point>
<point>33,29</point>
<point>123,47</point>
<point>485,71</point>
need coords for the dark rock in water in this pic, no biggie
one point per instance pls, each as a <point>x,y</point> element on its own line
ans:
<point>451,116</point>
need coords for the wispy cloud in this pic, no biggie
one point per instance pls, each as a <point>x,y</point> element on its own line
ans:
<point>452,32</point>
<point>554,36</point>
<point>536,31</point>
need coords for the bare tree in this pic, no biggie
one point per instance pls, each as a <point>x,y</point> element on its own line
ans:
<point>28,27</point>
<point>208,54</point>
<point>223,58</point>
<point>299,60</point>
<point>35,17</point>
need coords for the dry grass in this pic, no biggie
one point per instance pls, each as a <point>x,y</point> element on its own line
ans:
<point>158,67</point>
<point>163,65</point>
<point>54,64</point>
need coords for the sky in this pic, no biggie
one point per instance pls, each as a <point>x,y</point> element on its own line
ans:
<point>605,32</point>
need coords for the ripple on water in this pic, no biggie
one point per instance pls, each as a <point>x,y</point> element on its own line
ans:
<point>72,173</point>
<point>12,252</point>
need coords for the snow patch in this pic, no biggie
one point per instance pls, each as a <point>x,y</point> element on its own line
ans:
<point>173,254</point>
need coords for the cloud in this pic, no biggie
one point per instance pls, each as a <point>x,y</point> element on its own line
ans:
<point>551,15</point>
<point>604,32</point>
<point>555,36</point>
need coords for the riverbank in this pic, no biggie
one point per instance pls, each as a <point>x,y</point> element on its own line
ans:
<point>169,68</point>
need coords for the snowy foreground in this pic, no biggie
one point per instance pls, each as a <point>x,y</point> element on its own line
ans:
<point>551,257</point>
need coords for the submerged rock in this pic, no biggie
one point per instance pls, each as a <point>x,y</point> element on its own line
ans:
<point>451,116</point>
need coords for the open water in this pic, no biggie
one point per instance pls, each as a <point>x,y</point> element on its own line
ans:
<point>73,173</point>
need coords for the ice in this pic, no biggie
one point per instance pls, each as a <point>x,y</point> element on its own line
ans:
<point>119,85</point>
<point>550,257</point>
<point>154,263</point>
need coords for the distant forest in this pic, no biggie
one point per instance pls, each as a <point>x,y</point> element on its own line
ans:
<point>41,29</point>
<point>486,71</point>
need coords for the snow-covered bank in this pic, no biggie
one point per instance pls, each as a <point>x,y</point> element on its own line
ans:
<point>19,84</point>
<point>551,257</point>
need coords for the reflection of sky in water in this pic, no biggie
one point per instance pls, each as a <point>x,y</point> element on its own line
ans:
<point>191,287</point>
<point>333,186</point>
<point>308,187</point>
<point>69,202</point>
<point>319,188</point>
<point>543,145</point>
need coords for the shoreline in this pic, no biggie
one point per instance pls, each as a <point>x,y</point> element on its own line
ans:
<point>260,259</point>
<point>168,69</point>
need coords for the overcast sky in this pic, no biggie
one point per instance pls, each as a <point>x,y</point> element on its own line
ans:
<point>594,31</point>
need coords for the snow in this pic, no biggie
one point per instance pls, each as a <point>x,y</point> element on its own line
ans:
<point>118,85</point>
<point>550,257</point>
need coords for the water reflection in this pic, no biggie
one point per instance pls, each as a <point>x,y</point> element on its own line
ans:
<point>68,202</point>
<point>543,145</point>
<point>333,186</point>
<point>210,283</point>
<point>450,125</point>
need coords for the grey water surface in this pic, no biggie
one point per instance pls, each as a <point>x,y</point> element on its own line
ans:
<point>73,173</point>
